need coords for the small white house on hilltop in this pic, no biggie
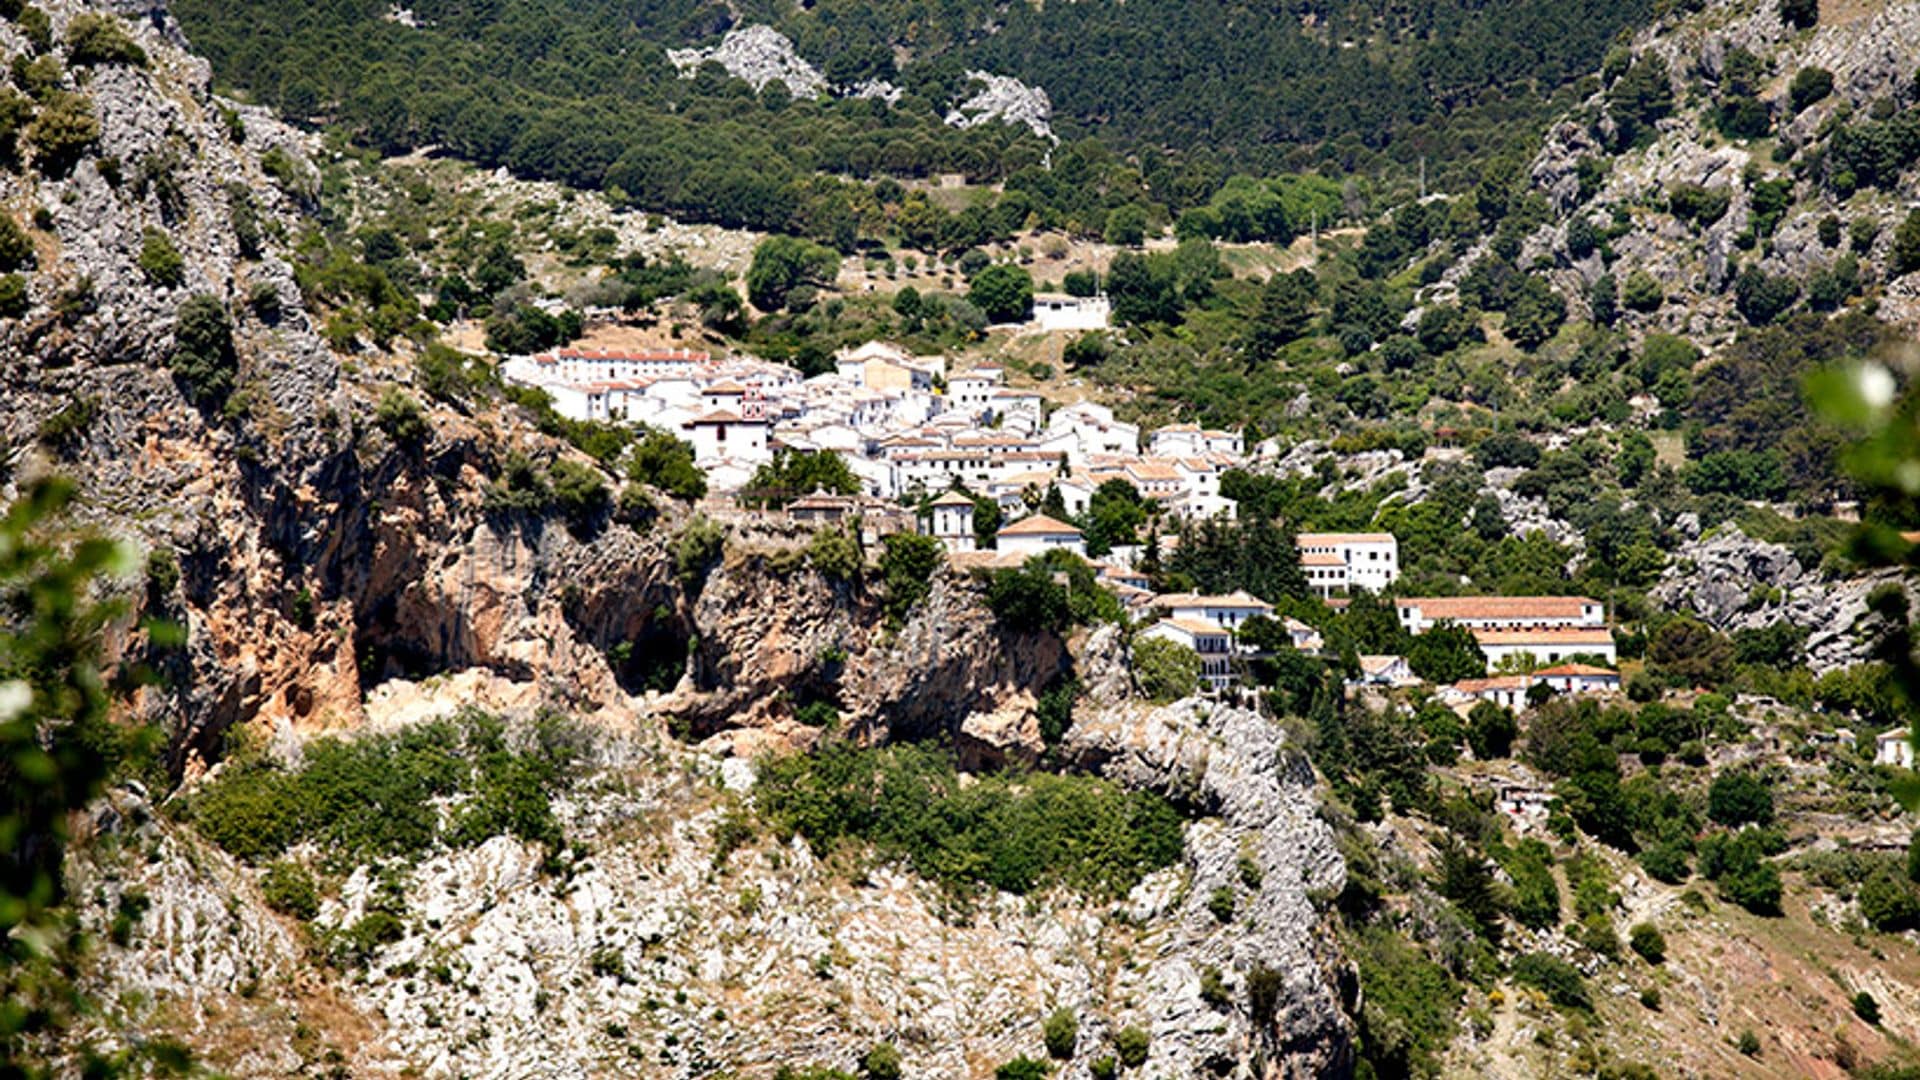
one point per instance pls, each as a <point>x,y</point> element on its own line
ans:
<point>1894,748</point>
<point>1054,311</point>
<point>1338,562</point>
<point>721,434</point>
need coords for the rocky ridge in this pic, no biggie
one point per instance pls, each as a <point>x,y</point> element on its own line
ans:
<point>651,949</point>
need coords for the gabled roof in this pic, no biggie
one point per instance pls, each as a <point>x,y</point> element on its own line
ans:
<point>1196,627</point>
<point>953,498</point>
<point>1322,558</point>
<point>1238,598</point>
<point>1039,525</point>
<point>1317,539</point>
<point>1551,635</point>
<point>1497,607</point>
<point>721,416</point>
<point>1577,669</point>
<point>1374,664</point>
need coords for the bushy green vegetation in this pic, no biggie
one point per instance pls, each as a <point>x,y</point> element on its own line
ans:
<point>1015,833</point>
<point>450,782</point>
<point>1165,670</point>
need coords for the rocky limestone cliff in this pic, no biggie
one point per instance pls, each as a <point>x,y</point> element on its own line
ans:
<point>1869,50</point>
<point>647,953</point>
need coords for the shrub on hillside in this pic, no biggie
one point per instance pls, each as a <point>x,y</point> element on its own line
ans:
<point>1165,670</point>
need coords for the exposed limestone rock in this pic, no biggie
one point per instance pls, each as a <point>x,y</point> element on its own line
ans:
<point>1734,582</point>
<point>1007,100</point>
<point>758,54</point>
<point>1233,763</point>
<point>638,950</point>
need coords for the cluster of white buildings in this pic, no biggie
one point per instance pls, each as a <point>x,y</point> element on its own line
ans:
<point>904,424</point>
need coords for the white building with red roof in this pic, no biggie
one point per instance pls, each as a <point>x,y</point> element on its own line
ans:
<point>1039,534</point>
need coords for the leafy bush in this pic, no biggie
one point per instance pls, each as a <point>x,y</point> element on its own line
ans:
<point>1028,600</point>
<point>14,298</point>
<point>835,552</point>
<point>159,260</point>
<point>1061,1032</point>
<point>62,132</point>
<point>1408,1007</point>
<point>1554,977</point>
<point>16,247</point>
<point>1221,904</point>
<point>1105,1067</point>
<point>289,889</point>
<point>1004,293</point>
<point>101,39</point>
<point>1165,670</point>
<point>1646,940</point>
<point>580,492</point>
<point>661,461</point>
<point>908,562</point>
<point>399,416</point>
<point>695,551</point>
<point>1490,731</point>
<point>203,357</point>
<point>1739,797</point>
<point>1022,1068</point>
<point>1132,1044</point>
<point>1866,1008</point>
<point>375,796</point>
<point>881,1063</point>
<point>1009,833</point>
<point>1888,902</point>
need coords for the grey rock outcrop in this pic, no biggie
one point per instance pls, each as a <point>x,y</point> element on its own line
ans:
<point>1007,100</point>
<point>758,54</point>
<point>1734,582</point>
<point>1234,764</point>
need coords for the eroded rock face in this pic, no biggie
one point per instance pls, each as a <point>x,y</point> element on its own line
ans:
<point>1234,765</point>
<point>772,638</point>
<point>641,951</point>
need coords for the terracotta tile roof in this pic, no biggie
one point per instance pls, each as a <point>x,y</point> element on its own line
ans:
<point>1552,635</point>
<point>1038,525</point>
<point>1497,607</point>
<point>1239,598</point>
<point>1323,539</point>
<point>1577,669</point>
<point>1498,682</point>
<point>1322,558</point>
<point>1196,627</point>
<point>718,416</point>
<point>730,388</point>
<point>953,498</point>
<point>1374,664</point>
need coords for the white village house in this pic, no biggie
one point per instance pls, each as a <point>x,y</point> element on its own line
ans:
<point>1039,534</point>
<point>1336,563</point>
